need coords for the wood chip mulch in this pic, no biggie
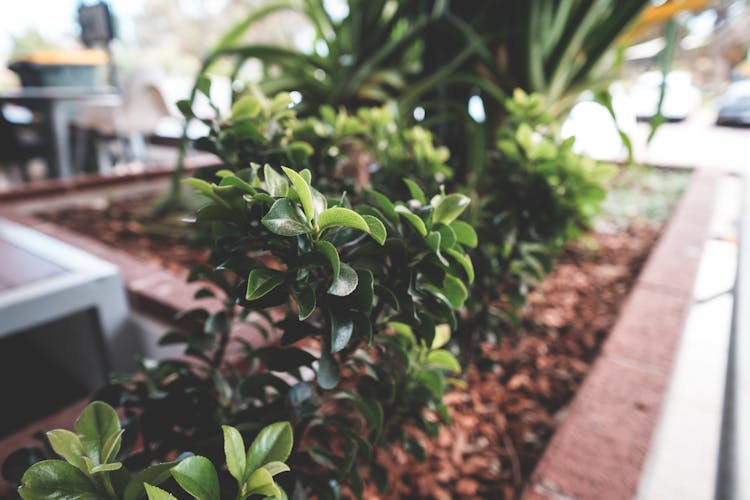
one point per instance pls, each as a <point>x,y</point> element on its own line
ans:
<point>503,421</point>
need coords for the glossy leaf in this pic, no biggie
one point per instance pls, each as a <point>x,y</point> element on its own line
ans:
<point>377,229</point>
<point>332,256</point>
<point>464,261</point>
<point>303,191</point>
<point>328,371</point>
<point>450,207</point>
<point>197,476</point>
<point>56,480</point>
<point>413,219</point>
<point>97,423</point>
<point>346,282</point>
<point>445,360</point>
<point>415,191</point>
<point>442,336</point>
<point>276,184</point>
<point>155,493</point>
<point>276,467</point>
<point>342,327</point>
<point>152,475</point>
<point>234,452</point>
<point>273,444</point>
<point>68,445</point>
<point>455,291</point>
<point>305,298</point>
<point>339,216</point>
<point>262,281</point>
<point>284,219</point>
<point>465,234</point>
<point>261,482</point>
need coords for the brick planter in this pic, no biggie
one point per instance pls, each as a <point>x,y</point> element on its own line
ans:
<point>600,449</point>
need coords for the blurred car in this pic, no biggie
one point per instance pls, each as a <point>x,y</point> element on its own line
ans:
<point>734,104</point>
<point>681,97</point>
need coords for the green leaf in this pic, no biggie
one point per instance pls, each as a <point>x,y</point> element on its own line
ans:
<point>432,381</point>
<point>445,360</point>
<point>342,327</point>
<point>332,256</point>
<point>155,493</point>
<point>276,467</point>
<point>112,446</point>
<point>56,480</point>
<point>447,237</point>
<point>455,291</point>
<point>413,219</point>
<point>450,207</point>
<point>328,371</point>
<point>442,336</point>
<point>276,184</point>
<point>245,107</point>
<point>386,205</point>
<point>105,468</point>
<point>464,233</point>
<point>273,444</point>
<point>261,281</point>
<point>346,282</point>
<point>284,219</point>
<point>306,301</point>
<point>234,451</point>
<point>152,475</point>
<point>303,191</point>
<point>261,482</point>
<point>464,261</point>
<point>97,423</point>
<point>415,191</point>
<point>197,476</point>
<point>203,84</point>
<point>377,229</point>
<point>68,445</point>
<point>339,216</point>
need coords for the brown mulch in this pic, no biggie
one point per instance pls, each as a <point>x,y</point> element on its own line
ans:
<point>129,225</point>
<point>504,419</point>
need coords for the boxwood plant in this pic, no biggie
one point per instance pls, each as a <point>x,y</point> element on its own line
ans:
<point>89,468</point>
<point>354,295</point>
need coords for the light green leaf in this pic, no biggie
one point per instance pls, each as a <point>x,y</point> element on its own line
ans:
<point>261,482</point>
<point>285,220</point>
<point>155,493</point>
<point>106,468</point>
<point>56,480</point>
<point>276,184</point>
<point>377,229</point>
<point>346,282</point>
<point>450,207</point>
<point>445,360</point>
<point>464,261</point>
<point>415,191</point>
<point>340,216</point>
<point>276,467</point>
<point>465,234</point>
<point>332,256</point>
<point>273,444</point>
<point>234,451</point>
<point>97,423</point>
<point>442,336</point>
<point>197,476</point>
<point>68,445</point>
<point>112,446</point>
<point>261,281</point>
<point>245,107</point>
<point>412,219</point>
<point>455,291</point>
<point>303,191</point>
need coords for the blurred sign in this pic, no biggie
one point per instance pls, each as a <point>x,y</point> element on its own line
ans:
<point>96,24</point>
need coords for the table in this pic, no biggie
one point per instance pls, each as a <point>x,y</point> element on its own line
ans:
<point>61,104</point>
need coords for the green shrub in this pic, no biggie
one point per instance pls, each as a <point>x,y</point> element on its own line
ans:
<point>90,466</point>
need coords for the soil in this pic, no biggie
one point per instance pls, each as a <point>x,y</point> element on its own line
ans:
<point>516,393</point>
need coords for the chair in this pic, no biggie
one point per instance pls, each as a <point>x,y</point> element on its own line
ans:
<point>143,107</point>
